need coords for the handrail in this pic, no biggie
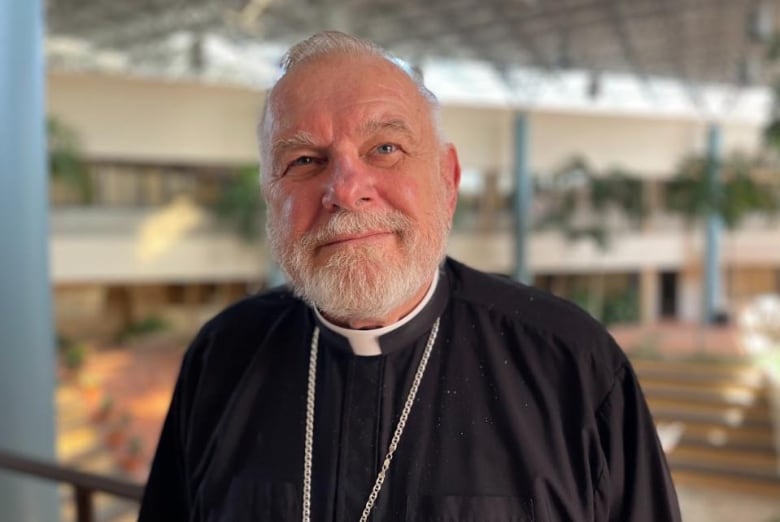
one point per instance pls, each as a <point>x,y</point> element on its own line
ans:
<point>85,484</point>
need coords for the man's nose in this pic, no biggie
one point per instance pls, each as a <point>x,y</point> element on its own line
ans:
<point>350,186</point>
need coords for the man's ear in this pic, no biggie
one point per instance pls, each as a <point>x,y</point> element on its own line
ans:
<point>450,171</point>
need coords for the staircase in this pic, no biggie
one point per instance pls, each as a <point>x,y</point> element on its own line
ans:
<point>725,421</point>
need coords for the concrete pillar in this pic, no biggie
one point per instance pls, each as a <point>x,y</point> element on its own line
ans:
<point>275,276</point>
<point>714,226</point>
<point>27,349</point>
<point>652,200</point>
<point>523,195</point>
<point>649,293</point>
<point>489,202</point>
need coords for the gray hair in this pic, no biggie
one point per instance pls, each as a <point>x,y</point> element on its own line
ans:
<point>328,43</point>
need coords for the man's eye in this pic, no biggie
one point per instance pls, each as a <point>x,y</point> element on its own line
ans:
<point>386,148</point>
<point>303,160</point>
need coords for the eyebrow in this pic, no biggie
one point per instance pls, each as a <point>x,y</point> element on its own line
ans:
<point>373,126</point>
<point>367,128</point>
<point>299,139</point>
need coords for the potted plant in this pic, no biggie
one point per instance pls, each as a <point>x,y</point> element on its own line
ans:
<point>131,457</point>
<point>74,356</point>
<point>115,434</point>
<point>103,412</point>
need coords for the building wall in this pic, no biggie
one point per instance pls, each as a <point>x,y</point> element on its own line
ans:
<point>153,122</point>
<point>123,118</point>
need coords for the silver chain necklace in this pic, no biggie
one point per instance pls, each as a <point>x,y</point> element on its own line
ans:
<point>399,429</point>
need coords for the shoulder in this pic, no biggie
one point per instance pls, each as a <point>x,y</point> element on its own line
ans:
<point>523,304</point>
<point>225,344</point>
<point>225,348</point>
<point>253,314</point>
<point>544,327</point>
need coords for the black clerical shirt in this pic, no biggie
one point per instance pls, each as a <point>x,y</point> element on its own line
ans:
<point>527,411</point>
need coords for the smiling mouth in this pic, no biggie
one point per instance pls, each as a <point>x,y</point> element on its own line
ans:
<point>349,239</point>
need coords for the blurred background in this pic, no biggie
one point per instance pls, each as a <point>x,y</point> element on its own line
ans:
<point>624,154</point>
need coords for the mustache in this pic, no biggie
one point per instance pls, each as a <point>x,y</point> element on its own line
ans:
<point>346,222</point>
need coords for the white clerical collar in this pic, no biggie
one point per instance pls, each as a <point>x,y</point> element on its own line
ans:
<point>366,342</point>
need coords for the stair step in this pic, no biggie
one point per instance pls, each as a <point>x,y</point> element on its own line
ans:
<point>730,394</point>
<point>742,374</point>
<point>685,411</point>
<point>742,484</point>
<point>758,438</point>
<point>727,441</point>
<point>724,461</point>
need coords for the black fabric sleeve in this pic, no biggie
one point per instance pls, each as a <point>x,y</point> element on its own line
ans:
<point>635,484</point>
<point>168,492</point>
<point>165,496</point>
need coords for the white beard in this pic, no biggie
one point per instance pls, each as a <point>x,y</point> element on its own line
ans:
<point>364,282</point>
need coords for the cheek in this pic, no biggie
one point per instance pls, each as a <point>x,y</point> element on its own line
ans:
<point>296,213</point>
<point>407,195</point>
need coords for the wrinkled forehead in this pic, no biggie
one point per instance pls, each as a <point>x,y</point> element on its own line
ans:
<point>332,81</point>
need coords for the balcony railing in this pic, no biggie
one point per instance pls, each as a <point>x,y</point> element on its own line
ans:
<point>84,484</point>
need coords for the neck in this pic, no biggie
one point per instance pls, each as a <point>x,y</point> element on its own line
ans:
<point>371,323</point>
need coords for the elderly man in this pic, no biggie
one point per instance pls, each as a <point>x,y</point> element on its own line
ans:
<point>389,383</point>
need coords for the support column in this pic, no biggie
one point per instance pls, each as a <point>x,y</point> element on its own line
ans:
<point>27,349</point>
<point>275,276</point>
<point>714,227</point>
<point>649,296</point>
<point>523,194</point>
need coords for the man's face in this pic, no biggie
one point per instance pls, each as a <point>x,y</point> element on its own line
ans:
<point>360,191</point>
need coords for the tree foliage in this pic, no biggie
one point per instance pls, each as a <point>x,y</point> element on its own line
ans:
<point>66,160</point>
<point>737,194</point>
<point>578,200</point>
<point>240,204</point>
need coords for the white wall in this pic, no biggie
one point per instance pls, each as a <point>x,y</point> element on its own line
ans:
<point>151,120</point>
<point>122,118</point>
<point>176,243</point>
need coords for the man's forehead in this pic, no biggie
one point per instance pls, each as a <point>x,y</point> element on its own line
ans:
<point>296,138</point>
<point>363,107</point>
<point>333,77</point>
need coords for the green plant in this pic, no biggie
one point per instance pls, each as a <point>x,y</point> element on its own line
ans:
<point>148,325</point>
<point>240,204</point>
<point>74,356</point>
<point>690,193</point>
<point>135,445</point>
<point>620,189</point>
<point>131,455</point>
<point>104,410</point>
<point>621,307</point>
<point>116,431</point>
<point>575,188</point>
<point>66,160</point>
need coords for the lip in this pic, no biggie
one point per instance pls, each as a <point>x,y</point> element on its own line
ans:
<point>347,239</point>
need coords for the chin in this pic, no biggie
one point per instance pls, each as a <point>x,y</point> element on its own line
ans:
<point>365,288</point>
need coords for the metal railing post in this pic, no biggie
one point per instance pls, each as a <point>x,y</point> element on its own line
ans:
<point>84,511</point>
